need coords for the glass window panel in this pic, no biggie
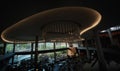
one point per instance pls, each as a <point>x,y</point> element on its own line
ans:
<point>9,48</point>
<point>41,46</point>
<point>60,45</point>
<point>23,47</point>
<point>45,46</point>
<point>75,44</point>
<point>1,45</point>
<point>49,45</point>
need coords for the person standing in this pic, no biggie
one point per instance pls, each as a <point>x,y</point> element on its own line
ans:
<point>72,51</point>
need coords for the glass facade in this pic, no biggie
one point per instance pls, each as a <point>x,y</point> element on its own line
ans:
<point>59,45</point>
<point>9,48</point>
<point>23,47</point>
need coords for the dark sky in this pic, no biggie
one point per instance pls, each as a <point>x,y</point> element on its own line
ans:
<point>14,11</point>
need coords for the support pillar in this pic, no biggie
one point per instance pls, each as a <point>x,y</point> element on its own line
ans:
<point>87,50</point>
<point>32,45</point>
<point>88,53</point>
<point>36,53</point>
<point>13,52</point>
<point>100,54</point>
<point>110,36</point>
<point>4,48</point>
<point>54,53</point>
<point>66,44</point>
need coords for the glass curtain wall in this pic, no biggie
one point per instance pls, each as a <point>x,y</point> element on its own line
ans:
<point>9,48</point>
<point>26,47</point>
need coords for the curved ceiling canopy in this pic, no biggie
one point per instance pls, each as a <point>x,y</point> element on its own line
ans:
<point>62,21</point>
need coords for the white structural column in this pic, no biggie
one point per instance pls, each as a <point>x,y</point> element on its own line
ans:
<point>110,36</point>
<point>100,54</point>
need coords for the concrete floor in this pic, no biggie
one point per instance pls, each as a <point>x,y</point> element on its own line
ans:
<point>113,66</point>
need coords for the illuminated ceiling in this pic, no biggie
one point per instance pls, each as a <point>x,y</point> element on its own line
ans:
<point>13,11</point>
<point>32,26</point>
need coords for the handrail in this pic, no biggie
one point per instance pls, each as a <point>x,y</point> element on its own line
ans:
<point>51,50</point>
<point>84,48</point>
<point>41,51</point>
<point>6,56</point>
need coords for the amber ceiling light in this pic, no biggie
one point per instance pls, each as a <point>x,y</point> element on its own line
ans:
<point>28,28</point>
